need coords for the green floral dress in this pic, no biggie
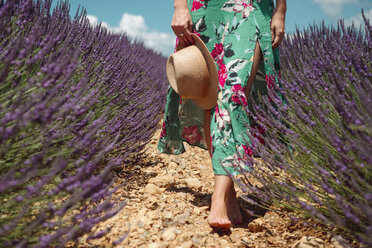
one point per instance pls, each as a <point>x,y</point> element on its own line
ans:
<point>230,30</point>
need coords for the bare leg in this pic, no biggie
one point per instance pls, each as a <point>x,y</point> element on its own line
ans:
<point>224,207</point>
<point>256,63</point>
<point>233,208</point>
<point>218,215</point>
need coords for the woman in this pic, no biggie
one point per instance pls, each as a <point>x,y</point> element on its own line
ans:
<point>242,36</point>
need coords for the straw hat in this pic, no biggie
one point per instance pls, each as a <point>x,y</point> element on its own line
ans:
<point>192,73</point>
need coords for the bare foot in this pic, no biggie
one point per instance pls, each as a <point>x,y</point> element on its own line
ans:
<point>218,213</point>
<point>233,208</point>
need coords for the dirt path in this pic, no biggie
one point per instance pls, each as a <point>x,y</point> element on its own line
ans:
<point>168,201</point>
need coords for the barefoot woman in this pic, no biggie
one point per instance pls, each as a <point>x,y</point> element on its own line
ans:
<point>242,36</point>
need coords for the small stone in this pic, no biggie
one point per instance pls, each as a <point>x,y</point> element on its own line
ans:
<point>167,181</point>
<point>201,167</point>
<point>152,189</point>
<point>185,237</point>
<point>309,242</point>
<point>193,183</point>
<point>166,215</point>
<point>169,235</point>
<point>339,242</point>
<point>224,243</point>
<point>181,195</point>
<point>142,212</point>
<point>153,245</point>
<point>195,240</point>
<point>187,244</point>
<point>198,211</point>
<point>147,222</point>
<point>153,205</point>
<point>196,173</point>
<point>181,219</point>
<point>255,226</point>
<point>172,172</point>
<point>153,215</point>
<point>172,165</point>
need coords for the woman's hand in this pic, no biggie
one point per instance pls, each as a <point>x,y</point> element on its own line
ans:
<point>278,23</point>
<point>182,23</point>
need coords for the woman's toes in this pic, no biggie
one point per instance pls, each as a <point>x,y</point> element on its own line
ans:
<point>212,222</point>
<point>225,224</point>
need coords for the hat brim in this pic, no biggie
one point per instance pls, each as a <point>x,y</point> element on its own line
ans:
<point>210,100</point>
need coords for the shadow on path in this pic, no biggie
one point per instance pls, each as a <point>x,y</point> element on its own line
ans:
<point>200,199</point>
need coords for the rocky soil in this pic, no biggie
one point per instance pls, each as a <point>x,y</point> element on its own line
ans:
<point>168,201</point>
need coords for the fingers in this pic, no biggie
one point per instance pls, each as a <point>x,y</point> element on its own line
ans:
<point>184,34</point>
<point>179,33</point>
<point>189,32</point>
<point>277,36</point>
<point>277,39</point>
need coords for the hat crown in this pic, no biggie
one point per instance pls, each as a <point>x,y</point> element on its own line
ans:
<point>188,72</point>
<point>192,73</point>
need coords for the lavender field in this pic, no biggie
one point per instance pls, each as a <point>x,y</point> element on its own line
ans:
<point>78,104</point>
<point>317,147</point>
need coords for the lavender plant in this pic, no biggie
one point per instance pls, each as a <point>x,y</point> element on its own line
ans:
<point>76,102</point>
<point>316,157</point>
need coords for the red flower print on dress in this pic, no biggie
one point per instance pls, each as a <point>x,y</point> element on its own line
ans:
<point>222,73</point>
<point>163,131</point>
<point>197,33</point>
<point>258,127</point>
<point>191,134</point>
<point>217,51</point>
<point>270,81</point>
<point>238,95</point>
<point>247,150</point>
<point>197,5</point>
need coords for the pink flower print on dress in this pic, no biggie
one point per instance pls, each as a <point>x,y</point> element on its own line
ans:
<point>243,6</point>
<point>239,96</point>
<point>191,134</point>
<point>222,117</point>
<point>218,51</point>
<point>196,4</point>
<point>222,73</point>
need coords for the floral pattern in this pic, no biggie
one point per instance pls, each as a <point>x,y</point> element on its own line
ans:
<point>230,29</point>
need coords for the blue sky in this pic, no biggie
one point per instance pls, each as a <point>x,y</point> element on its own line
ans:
<point>149,20</point>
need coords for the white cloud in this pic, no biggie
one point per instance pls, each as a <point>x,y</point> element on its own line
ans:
<point>94,21</point>
<point>358,20</point>
<point>135,27</point>
<point>333,8</point>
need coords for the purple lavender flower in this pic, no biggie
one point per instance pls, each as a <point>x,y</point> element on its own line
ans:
<point>317,152</point>
<point>72,98</point>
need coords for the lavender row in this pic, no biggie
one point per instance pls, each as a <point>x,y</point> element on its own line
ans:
<point>317,152</point>
<point>76,102</point>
